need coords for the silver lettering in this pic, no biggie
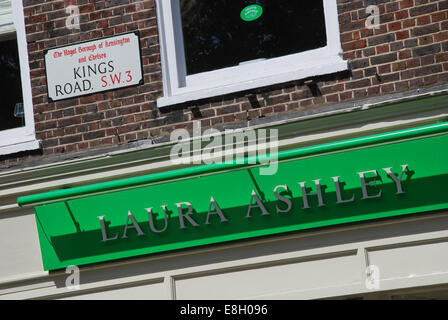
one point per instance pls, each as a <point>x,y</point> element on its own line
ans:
<point>134,225</point>
<point>151,220</point>
<point>283,199</point>
<point>318,193</point>
<point>104,232</point>
<point>186,215</point>
<point>338,192</point>
<point>218,211</point>
<point>364,185</point>
<point>397,180</point>
<point>258,205</point>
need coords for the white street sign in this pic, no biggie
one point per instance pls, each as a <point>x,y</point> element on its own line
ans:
<point>93,66</point>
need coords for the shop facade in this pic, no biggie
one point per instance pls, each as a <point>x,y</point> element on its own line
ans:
<point>153,160</point>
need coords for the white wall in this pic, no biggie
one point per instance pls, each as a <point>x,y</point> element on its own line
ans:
<point>19,245</point>
<point>409,252</point>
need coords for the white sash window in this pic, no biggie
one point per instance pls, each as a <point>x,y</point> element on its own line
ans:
<point>16,110</point>
<point>210,48</point>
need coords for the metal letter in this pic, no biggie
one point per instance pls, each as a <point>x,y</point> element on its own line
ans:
<point>151,220</point>
<point>338,192</point>
<point>103,231</point>
<point>258,205</point>
<point>134,225</point>
<point>394,177</point>
<point>364,185</point>
<point>218,211</point>
<point>318,193</point>
<point>186,215</point>
<point>283,199</point>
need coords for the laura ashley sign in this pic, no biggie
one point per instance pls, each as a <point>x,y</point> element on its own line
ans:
<point>94,66</point>
<point>355,185</point>
<point>283,204</point>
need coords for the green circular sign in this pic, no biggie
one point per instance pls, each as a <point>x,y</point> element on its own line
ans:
<point>251,13</point>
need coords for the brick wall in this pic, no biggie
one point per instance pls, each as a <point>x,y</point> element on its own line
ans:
<point>409,51</point>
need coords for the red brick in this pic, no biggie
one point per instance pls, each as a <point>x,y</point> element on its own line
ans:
<point>410,50</point>
<point>423,20</point>
<point>394,26</point>
<point>442,36</point>
<point>382,49</point>
<point>406,4</point>
<point>400,35</point>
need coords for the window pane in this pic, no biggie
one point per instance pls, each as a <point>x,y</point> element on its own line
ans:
<point>215,35</point>
<point>10,86</point>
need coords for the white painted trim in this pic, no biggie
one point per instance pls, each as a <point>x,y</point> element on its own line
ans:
<point>170,288</point>
<point>137,271</point>
<point>179,88</point>
<point>18,147</point>
<point>24,138</point>
<point>6,21</point>
<point>331,65</point>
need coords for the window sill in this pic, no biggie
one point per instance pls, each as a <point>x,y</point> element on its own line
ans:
<point>18,147</point>
<point>331,65</point>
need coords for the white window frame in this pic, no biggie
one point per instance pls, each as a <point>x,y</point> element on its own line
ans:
<point>23,138</point>
<point>179,88</point>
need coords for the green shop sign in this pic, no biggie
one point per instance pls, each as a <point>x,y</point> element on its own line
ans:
<point>372,177</point>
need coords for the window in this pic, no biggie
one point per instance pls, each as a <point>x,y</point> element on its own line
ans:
<point>16,115</point>
<point>210,48</point>
<point>12,116</point>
